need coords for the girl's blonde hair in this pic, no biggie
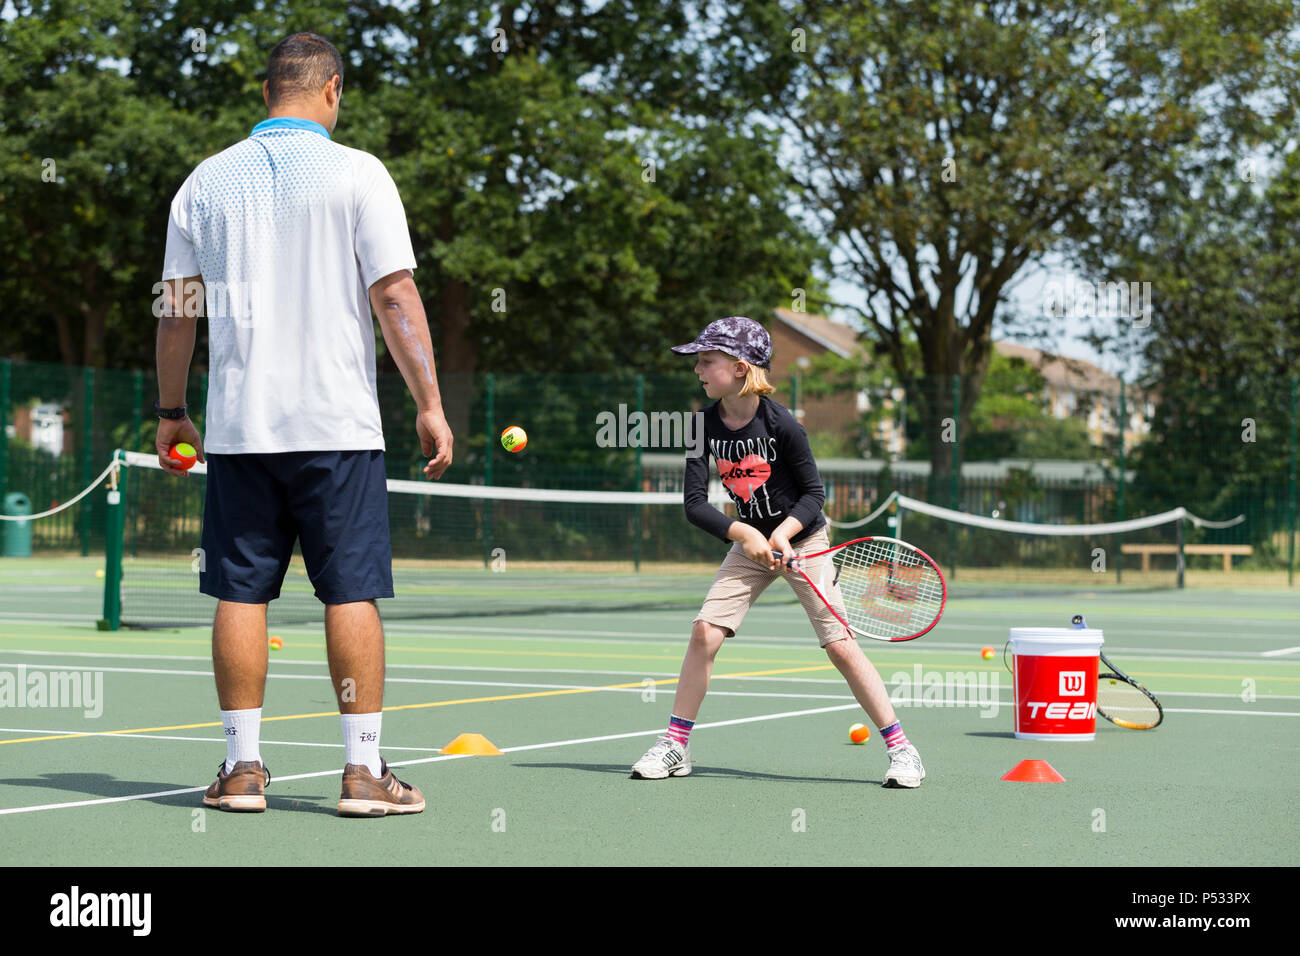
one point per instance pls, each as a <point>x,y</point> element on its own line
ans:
<point>756,382</point>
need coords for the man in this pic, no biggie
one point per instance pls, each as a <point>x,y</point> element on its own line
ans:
<point>290,239</point>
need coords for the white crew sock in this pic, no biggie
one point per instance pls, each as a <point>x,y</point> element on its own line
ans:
<point>243,735</point>
<point>361,740</point>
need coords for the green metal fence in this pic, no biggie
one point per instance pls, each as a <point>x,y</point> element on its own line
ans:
<point>62,424</point>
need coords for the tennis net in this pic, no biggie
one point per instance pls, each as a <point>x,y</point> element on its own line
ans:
<point>478,551</point>
<point>993,554</point>
<point>458,551</point>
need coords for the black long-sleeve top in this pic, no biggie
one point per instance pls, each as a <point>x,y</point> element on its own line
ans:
<point>767,469</point>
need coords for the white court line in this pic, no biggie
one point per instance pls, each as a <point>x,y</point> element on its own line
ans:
<point>203,740</point>
<point>1280,651</point>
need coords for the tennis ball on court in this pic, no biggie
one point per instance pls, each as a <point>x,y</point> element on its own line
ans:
<point>514,439</point>
<point>986,652</point>
<point>99,572</point>
<point>183,455</point>
<point>276,643</point>
<point>859,733</point>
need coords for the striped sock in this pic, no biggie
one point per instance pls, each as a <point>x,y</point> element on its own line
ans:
<point>679,729</point>
<point>893,735</point>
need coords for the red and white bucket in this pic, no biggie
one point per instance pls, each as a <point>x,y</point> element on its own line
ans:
<point>1055,679</point>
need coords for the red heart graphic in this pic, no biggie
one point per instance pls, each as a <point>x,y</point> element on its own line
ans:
<point>742,477</point>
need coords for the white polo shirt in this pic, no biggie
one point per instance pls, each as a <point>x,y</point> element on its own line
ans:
<point>289,230</point>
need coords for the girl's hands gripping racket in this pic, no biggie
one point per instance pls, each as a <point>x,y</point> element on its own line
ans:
<point>1121,699</point>
<point>880,588</point>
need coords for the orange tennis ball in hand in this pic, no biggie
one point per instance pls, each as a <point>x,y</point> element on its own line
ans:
<point>986,652</point>
<point>859,733</point>
<point>183,455</point>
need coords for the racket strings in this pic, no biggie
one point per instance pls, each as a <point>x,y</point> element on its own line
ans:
<point>1122,703</point>
<point>888,590</point>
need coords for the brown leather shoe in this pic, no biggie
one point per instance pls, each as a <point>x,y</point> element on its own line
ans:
<point>365,795</point>
<point>241,790</point>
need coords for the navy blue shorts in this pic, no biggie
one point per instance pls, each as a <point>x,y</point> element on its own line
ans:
<point>334,502</point>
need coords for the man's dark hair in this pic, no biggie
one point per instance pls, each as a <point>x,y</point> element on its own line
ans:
<point>301,65</point>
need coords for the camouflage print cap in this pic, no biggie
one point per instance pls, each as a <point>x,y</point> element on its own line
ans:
<point>735,335</point>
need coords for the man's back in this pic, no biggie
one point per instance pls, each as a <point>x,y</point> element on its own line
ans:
<point>289,230</point>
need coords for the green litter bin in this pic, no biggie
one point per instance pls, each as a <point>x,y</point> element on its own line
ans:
<point>17,534</point>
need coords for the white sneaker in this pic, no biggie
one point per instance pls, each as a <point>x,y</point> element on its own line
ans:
<point>905,768</point>
<point>667,758</point>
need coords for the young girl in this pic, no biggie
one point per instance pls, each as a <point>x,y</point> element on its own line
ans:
<point>765,464</point>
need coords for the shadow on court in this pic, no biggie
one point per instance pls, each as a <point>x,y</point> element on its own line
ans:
<point>698,771</point>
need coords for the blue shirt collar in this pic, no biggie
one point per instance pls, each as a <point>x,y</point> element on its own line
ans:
<point>289,122</point>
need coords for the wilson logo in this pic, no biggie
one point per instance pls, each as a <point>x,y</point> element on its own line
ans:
<point>1071,683</point>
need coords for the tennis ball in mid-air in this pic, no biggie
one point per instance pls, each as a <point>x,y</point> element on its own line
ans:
<point>514,439</point>
<point>183,455</point>
<point>859,733</point>
<point>986,652</point>
<point>276,643</point>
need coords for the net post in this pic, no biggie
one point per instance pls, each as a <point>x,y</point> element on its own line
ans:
<point>1181,565</point>
<point>1119,540</point>
<point>489,426</point>
<point>87,449</point>
<point>116,516</point>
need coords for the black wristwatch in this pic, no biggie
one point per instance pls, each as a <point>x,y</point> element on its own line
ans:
<point>172,413</point>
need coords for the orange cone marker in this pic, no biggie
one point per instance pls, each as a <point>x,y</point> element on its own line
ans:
<point>1033,771</point>
<point>472,744</point>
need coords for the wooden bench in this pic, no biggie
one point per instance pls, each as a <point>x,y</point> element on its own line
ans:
<point>1146,550</point>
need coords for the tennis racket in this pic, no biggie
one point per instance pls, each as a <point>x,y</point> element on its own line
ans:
<point>880,588</point>
<point>1121,699</point>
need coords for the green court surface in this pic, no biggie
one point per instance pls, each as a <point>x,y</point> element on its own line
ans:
<point>575,699</point>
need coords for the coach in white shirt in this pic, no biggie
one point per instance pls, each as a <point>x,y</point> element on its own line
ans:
<point>289,239</point>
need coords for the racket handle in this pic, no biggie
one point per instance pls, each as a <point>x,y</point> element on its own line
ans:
<point>777,555</point>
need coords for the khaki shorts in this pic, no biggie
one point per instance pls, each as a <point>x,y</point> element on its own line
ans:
<point>740,581</point>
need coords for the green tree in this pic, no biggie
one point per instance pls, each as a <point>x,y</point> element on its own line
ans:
<point>944,145</point>
<point>575,205</point>
<point>1223,341</point>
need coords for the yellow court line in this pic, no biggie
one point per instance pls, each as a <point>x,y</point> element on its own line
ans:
<point>435,703</point>
<point>675,652</point>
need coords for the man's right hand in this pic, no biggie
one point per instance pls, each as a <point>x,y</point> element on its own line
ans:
<point>435,435</point>
<point>170,432</point>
